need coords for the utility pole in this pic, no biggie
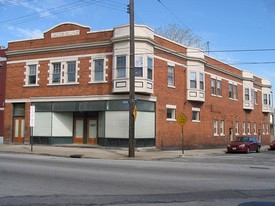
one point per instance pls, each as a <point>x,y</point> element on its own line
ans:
<point>132,82</point>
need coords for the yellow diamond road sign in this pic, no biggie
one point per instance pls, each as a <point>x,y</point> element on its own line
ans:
<point>182,119</point>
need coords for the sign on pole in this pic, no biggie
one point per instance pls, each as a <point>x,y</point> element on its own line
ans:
<point>32,122</point>
<point>32,116</point>
<point>182,119</point>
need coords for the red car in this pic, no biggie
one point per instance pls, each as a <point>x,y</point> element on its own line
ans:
<point>272,145</point>
<point>244,144</point>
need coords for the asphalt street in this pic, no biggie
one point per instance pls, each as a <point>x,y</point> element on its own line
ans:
<point>196,180</point>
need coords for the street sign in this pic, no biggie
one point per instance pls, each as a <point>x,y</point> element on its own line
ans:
<point>182,119</point>
<point>32,116</point>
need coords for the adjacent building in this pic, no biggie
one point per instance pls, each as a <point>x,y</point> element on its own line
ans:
<point>78,81</point>
<point>2,90</point>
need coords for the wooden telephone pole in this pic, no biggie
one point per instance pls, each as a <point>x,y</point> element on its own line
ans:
<point>132,82</point>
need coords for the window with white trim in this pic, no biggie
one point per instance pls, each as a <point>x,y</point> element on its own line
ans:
<point>138,66</point>
<point>263,128</point>
<point>121,66</point>
<point>243,127</point>
<point>171,112</point>
<point>233,91</point>
<point>71,71</point>
<point>56,73</point>
<point>266,128</point>
<point>171,76</point>
<point>32,74</point>
<point>149,68</point>
<point>193,80</point>
<point>213,86</point>
<point>201,81</point>
<point>255,128</point>
<point>237,128</point>
<point>99,70</point>
<point>248,128</point>
<point>215,127</point>
<point>222,127</point>
<point>63,72</point>
<point>195,114</point>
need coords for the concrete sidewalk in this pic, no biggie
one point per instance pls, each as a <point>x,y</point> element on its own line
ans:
<point>98,152</point>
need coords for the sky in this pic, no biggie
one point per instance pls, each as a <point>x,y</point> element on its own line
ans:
<point>239,32</point>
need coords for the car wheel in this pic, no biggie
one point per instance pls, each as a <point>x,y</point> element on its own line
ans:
<point>247,150</point>
<point>258,149</point>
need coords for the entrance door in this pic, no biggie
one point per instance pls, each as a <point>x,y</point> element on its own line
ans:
<point>92,131</point>
<point>78,130</point>
<point>19,129</point>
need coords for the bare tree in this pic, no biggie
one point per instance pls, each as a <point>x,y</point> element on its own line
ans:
<point>183,36</point>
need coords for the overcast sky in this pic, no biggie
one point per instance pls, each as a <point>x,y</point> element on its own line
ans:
<point>239,32</point>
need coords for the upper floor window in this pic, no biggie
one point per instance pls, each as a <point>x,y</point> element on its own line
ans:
<point>213,86</point>
<point>201,81</point>
<point>139,66</point>
<point>246,94</point>
<point>265,99</point>
<point>63,72</point>
<point>71,71</point>
<point>216,87</point>
<point>99,70</point>
<point>149,68</point>
<point>32,77</point>
<point>56,75</point>
<point>193,80</point>
<point>233,91</point>
<point>121,66</point>
<point>171,76</point>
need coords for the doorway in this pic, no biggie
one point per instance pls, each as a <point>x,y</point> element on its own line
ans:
<point>19,129</point>
<point>85,130</point>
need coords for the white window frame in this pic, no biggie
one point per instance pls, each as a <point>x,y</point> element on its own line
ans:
<point>139,62</point>
<point>248,128</point>
<point>255,128</point>
<point>93,69</point>
<point>222,127</point>
<point>263,128</point>
<point>244,127</point>
<point>172,108</point>
<point>67,72</point>
<point>266,128</point>
<point>197,114</point>
<point>63,71</point>
<point>216,127</point>
<point>124,68</point>
<point>27,74</point>
<point>150,68</point>
<point>171,74</point>
<point>237,128</point>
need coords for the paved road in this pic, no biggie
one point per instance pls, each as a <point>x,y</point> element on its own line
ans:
<point>43,180</point>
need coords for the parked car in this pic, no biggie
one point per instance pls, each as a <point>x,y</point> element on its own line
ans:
<point>272,145</point>
<point>244,144</point>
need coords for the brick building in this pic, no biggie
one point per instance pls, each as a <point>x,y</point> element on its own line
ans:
<point>2,89</point>
<point>78,81</point>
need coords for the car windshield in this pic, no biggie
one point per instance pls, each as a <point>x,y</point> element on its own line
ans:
<point>242,139</point>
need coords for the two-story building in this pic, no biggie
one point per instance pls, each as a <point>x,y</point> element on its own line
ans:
<point>2,90</point>
<point>78,81</point>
